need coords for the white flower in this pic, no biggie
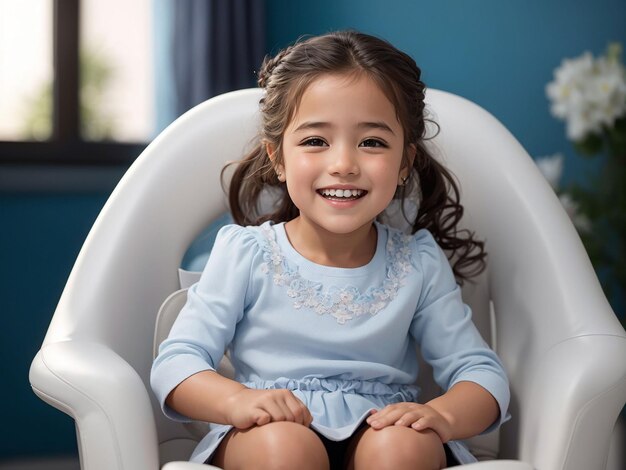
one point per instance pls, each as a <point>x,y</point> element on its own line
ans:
<point>276,259</point>
<point>588,93</point>
<point>552,168</point>
<point>345,297</point>
<point>311,302</point>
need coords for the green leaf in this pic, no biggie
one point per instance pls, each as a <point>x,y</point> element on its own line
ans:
<point>590,145</point>
<point>616,138</point>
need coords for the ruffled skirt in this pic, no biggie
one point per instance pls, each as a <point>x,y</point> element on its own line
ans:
<point>338,408</point>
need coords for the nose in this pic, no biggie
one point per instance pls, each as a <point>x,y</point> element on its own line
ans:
<point>343,162</point>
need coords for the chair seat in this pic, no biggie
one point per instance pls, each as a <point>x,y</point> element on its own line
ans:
<point>494,465</point>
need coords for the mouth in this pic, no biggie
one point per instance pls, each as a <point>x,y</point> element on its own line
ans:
<point>341,194</point>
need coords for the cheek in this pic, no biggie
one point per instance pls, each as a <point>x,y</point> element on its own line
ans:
<point>301,177</point>
<point>386,172</point>
<point>301,168</point>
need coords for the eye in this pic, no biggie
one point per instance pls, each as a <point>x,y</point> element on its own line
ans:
<point>313,142</point>
<point>373,143</point>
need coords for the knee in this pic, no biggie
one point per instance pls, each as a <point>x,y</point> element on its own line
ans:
<point>399,447</point>
<point>286,445</point>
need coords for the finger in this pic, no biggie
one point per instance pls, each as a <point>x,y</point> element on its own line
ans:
<point>262,418</point>
<point>429,422</point>
<point>384,418</point>
<point>378,414</point>
<point>419,425</point>
<point>294,407</point>
<point>275,410</point>
<point>307,417</point>
<point>409,418</point>
<point>299,411</point>
<point>286,404</point>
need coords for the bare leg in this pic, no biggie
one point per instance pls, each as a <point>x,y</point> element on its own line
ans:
<point>279,445</point>
<point>396,447</point>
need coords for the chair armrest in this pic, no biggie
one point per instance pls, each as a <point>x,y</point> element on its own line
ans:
<point>576,396</point>
<point>106,398</point>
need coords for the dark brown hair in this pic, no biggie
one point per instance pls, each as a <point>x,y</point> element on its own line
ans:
<point>285,78</point>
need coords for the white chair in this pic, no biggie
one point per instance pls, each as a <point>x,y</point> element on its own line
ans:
<point>562,346</point>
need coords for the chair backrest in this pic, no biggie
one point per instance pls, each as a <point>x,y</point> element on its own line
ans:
<point>128,264</point>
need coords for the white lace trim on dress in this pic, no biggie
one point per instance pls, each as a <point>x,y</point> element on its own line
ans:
<point>343,303</point>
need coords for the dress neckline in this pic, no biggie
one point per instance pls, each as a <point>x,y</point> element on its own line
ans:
<point>341,300</point>
<point>293,255</point>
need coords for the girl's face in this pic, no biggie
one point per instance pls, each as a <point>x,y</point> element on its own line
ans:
<point>342,154</point>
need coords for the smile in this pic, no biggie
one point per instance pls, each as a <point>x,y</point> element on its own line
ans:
<point>342,194</point>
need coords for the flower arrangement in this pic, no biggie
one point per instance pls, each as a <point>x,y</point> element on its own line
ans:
<point>589,94</point>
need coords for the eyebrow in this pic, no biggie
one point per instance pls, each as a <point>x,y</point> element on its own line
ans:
<point>362,125</point>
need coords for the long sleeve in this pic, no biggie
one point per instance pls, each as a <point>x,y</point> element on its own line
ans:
<point>443,327</point>
<point>206,324</point>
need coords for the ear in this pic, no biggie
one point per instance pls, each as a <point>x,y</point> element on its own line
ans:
<point>405,171</point>
<point>278,168</point>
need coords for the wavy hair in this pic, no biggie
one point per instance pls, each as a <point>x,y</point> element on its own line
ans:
<point>286,77</point>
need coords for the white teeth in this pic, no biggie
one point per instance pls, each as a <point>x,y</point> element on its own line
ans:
<point>342,192</point>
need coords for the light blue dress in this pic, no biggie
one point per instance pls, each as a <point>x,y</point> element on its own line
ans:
<point>343,340</point>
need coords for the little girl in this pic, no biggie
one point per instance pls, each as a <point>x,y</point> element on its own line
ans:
<point>319,304</point>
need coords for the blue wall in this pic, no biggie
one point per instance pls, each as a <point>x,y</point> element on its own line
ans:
<point>497,53</point>
<point>40,238</point>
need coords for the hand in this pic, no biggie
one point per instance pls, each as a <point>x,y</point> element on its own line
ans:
<point>249,407</point>
<point>414,415</point>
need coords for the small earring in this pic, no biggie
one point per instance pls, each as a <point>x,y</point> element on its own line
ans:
<point>279,175</point>
<point>403,180</point>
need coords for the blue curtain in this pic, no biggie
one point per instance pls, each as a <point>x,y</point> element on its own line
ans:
<point>217,46</point>
<point>165,96</point>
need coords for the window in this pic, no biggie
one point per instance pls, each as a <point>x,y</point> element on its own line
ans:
<point>116,72</point>
<point>25,71</point>
<point>76,81</point>
<point>79,79</point>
